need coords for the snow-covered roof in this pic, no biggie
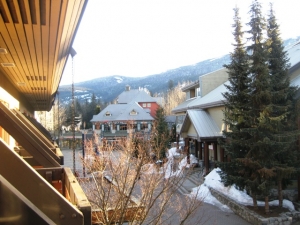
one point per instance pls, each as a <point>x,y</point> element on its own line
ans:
<point>294,55</point>
<point>122,112</point>
<point>212,99</point>
<point>136,95</point>
<point>215,97</point>
<point>204,124</point>
<point>183,106</point>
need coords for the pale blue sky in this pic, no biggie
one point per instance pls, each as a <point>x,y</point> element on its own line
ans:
<point>145,37</point>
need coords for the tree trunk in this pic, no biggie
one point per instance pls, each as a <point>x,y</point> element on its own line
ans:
<point>267,208</point>
<point>280,197</point>
<point>254,201</point>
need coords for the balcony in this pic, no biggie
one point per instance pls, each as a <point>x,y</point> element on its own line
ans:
<point>32,178</point>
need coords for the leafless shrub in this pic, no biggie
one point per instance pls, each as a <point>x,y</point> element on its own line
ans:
<point>126,185</point>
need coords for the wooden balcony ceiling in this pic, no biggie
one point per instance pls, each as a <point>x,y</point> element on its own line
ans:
<point>35,40</point>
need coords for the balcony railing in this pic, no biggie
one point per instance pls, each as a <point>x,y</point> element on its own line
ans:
<point>44,191</point>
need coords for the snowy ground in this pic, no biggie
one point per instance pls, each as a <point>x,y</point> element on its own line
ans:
<point>202,191</point>
<point>213,180</point>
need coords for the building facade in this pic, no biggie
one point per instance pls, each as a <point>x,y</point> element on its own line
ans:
<point>199,120</point>
<point>133,112</point>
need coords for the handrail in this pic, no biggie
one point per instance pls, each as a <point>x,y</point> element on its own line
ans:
<point>36,189</point>
<point>27,138</point>
<point>77,196</point>
<point>33,128</point>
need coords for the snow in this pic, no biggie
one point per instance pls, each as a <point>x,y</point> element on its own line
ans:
<point>119,79</point>
<point>213,180</point>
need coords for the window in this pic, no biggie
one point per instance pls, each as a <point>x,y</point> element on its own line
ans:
<point>192,93</point>
<point>107,113</point>
<point>144,104</point>
<point>148,104</point>
<point>198,93</point>
<point>123,126</point>
<point>133,113</point>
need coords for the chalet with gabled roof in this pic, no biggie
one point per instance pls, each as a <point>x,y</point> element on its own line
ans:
<point>134,111</point>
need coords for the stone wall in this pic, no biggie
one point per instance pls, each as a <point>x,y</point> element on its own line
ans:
<point>252,217</point>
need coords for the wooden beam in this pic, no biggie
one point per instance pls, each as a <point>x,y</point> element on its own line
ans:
<point>27,139</point>
<point>36,189</point>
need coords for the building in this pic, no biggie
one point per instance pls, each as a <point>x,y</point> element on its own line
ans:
<point>199,120</point>
<point>134,111</point>
<point>35,41</point>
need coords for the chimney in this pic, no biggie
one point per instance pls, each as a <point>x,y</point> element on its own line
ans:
<point>127,88</point>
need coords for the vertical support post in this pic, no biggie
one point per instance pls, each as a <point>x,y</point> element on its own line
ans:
<point>222,154</point>
<point>206,158</point>
<point>177,141</point>
<point>187,149</point>
<point>83,149</point>
<point>215,151</point>
<point>197,149</point>
<point>73,53</point>
<point>200,151</point>
<point>58,122</point>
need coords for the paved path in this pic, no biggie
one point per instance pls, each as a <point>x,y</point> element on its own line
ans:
<point>209,214</point>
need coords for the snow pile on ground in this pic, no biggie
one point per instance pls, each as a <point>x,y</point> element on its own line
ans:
<point>168,167</point>
<point>213,180</point>
<point>183,163</point>
<point>172,152</point>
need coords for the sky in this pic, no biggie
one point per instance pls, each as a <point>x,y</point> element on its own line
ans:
<point>137,38</point>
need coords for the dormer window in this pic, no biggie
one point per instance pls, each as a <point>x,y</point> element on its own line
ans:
<point>107,113</point>
<point>133,113</point>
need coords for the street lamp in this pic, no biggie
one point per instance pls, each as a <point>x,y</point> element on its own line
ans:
<point>83,150</point>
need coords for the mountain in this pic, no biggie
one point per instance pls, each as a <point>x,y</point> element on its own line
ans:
<point>108,88</point>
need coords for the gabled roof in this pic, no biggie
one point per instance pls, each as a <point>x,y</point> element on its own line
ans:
<point>203,123</point>
<point>183,106</point>
<point>192,85</point>
<point>294,55</point>
<point>215,97</point>
<point>136,95</point>
<point>122,112</point>
<point>212,99</point>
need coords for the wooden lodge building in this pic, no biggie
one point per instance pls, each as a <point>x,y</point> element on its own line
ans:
<point>200,118</point>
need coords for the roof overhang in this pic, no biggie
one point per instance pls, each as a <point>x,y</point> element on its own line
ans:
<point>36,37</point>
<point>198,124</point>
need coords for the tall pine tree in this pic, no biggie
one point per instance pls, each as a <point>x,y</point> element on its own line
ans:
<point>237,107</point>
<point>260,114</point>
<point>260,145</point>
<point>282,117</point>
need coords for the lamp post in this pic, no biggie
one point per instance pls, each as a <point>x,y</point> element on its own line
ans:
<point>83,150</point>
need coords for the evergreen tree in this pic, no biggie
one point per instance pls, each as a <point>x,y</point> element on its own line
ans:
<point>98,109</point>
<point>260,114</point>
<point>236,109</point>
<point>281,116</point>
<point>160,133</point>
<point>259,157</point>
<point>89,111</point>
